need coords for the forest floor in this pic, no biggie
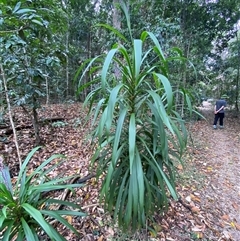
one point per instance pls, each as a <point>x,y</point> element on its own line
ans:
<point>208,183</point>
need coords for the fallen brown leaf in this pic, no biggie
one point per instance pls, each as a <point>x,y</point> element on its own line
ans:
<point>195,209</point>
<point>100,238</point>
<point>225,217</point>
<point>237,226</point>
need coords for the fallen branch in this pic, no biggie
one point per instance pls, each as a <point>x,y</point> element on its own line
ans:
<point>90,206</point>
<point>67,191</point>
<point>3,126</point>
<point>41,122</point>
<point>185,205</point>
<point>74,180</point>
<point>17,128</point>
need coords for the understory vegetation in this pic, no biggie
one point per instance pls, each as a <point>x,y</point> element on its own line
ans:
<point>141,73</point>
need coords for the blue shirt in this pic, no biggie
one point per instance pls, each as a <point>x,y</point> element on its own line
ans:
<point>219,104</point>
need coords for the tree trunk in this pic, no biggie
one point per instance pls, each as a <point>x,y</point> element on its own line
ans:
<point>36,125</point>
<point>238,75</point>
<point>34,118</point>
<point>67,62</point>
<point>186,49</point>
<point>10,114</point>
<point>47,90</point>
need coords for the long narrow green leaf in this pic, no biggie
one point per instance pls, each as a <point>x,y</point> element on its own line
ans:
<point>127,16</point>
<point>108,178</point>
<point>140,182</point>
<point>161,137</point>
<point>21,236</point>
<point>91,99</point>
<point>128,70</point>
<point>118,132</point>
<point>114,30</point>
<point>23,167</point>
<point>133,189</point>
<point>59,218</point>
<point>69,213</point>
<point>23,187</point>
<point>86,85</point>
<point>118,174</point>
<point>119,201</point>
<point>46,188</point>
<point>105,68</point>
<point>137,56</point>
<point>132,140</point>
<point>97,110</point>
<point>199,114</point>
<point>25,10</point>
<point>157,45</point>
<point>169,185</point>
<point>123,203</point>
<point>102,122</point>
<point>46,162</point>
<point>17,7</point>
<point>28,232</point>
<point>168,89</point>
<point>5,193</point>
<point>157,170</point>
<point>110,172</point>
<point>189,104</point>
<point>111,105</point>
<point>51,232</point>
<point>181,136</point>
<point>33,20</point>
<point>161,111</point>
<point>178,50</point>
<point>128,208</point>
<point>2,217</point>
<point>7,232</point>
<point>90,63</point>
<point>52,182</point>
<point>65,203</point>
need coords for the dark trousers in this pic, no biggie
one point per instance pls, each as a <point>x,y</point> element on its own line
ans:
<point>219,116</point>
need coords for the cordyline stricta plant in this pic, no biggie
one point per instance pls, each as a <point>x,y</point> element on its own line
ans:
<point>136,130</point>
<point>26,213</point>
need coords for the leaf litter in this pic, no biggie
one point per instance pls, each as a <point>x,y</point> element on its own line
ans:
<point>208,183</point>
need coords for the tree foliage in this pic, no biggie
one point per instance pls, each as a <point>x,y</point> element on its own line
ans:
<point>43,43</point>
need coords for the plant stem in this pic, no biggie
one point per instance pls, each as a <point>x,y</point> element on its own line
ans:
<point>10,114</point>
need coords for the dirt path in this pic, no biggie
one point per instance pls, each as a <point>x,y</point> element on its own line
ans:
<point>220,157</point>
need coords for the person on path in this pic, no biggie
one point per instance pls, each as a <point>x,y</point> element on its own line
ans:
<point>219,112</point>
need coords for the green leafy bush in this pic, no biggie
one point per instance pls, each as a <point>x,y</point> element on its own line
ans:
<point>25,211</point>
<point>137,131</point>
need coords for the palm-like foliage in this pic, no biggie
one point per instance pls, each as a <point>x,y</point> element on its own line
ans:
<point>138,134</point>
<point>137,131</point>
<point>25,211</point>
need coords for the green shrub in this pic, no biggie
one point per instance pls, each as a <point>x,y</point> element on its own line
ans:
<point>137,131</point>
<point>26,211</point>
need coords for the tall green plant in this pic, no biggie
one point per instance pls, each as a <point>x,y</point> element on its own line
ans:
<point>138,134</point>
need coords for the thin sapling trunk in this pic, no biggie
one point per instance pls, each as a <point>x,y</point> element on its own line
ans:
<point>10,115</point>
